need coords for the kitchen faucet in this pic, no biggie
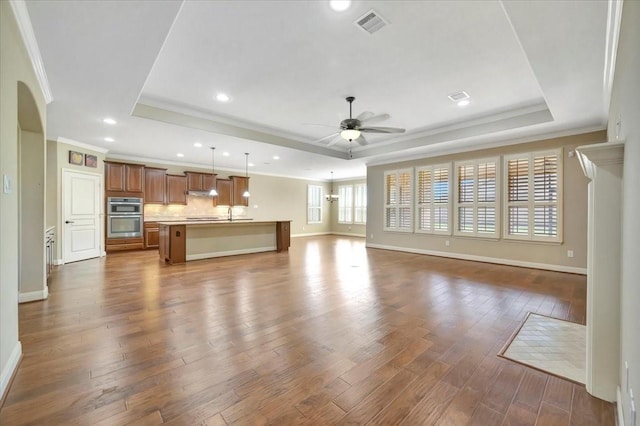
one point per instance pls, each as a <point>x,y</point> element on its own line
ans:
<point>230,213</point>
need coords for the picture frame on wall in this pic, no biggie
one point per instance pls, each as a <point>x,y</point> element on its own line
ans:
<point>76,158</point>
<point>91,160</point>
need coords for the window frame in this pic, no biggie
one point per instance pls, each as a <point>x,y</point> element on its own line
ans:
<point>310,188</point>
<point>531,203</point>
<point>475,204</point>
<point>398,206</point>
<point>432,204</point>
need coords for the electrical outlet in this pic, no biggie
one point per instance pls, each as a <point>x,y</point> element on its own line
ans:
<point>349,228</point>
<point>447,243</point>
<point>255,206</point>
<point>6,184</point>
<point>372,236</point>
<point>569,253</point>
<point>303,228</point>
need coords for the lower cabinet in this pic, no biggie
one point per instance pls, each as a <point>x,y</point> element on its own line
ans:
<point>283,236</point>
<point>151,235</point>
<point>120,244</point>
<point>173,242</point>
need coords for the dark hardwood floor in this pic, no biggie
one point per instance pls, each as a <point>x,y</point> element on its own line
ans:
<point>329,333</point>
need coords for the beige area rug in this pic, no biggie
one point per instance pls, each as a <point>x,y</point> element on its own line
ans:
<point>552,345</point>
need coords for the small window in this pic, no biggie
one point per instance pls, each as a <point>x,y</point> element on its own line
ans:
<point>398,206</point>
<point>476,198</point>
<point>434,199</point>
<point>533,186</point>
<point>360,203</point>
<point>314,204</point>
<point>345,204</point>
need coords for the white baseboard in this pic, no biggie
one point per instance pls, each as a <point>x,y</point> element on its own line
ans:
<point>10,368</point>
<point>619,408</point>
<point>311,234</point>
<point>499,261</point>
<point>229,253</point>
<point>33,295</point>
<point>349,234</point>
<point>58,262</point>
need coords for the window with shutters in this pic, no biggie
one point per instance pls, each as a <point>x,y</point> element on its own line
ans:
<point>398,204</point>
<point>314,204</point>
<point>360,203</point>
<point>476,198</point>
<point>433,199</point>
<point>345,204</point>
<point>533,188</point>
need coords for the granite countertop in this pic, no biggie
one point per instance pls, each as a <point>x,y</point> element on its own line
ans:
<point>218,221</point>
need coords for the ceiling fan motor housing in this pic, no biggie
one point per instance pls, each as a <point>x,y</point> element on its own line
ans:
<point>350,123</point>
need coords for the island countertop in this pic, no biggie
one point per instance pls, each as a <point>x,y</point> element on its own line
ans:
<point>186,240</point>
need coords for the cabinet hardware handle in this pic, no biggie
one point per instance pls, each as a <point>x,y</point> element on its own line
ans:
<point>69,221</point>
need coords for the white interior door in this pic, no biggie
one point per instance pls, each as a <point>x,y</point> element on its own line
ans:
<point>81,215</point>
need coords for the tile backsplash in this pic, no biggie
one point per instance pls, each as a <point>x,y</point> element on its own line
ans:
<point>196,207</point>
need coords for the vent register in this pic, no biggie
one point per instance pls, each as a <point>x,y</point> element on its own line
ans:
<point>371,22</point>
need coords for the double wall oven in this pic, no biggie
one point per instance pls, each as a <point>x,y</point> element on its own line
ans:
<point>124,217</point>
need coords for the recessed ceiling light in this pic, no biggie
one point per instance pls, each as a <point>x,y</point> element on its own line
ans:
<point>251,164</point>
<point>340,5</point>
<point>109,121</point>
<point>275,157</point>
<point>222,97</point>
<point>197,145</point>
<point>226,154</point>
<point>179,154</point>
<point>109,139</point>
<point>464,102</point>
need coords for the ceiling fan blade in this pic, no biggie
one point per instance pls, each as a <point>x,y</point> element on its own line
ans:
<point>362,140</point>
<point>325,138</point>
<point>318,125</point>
<point>335,140</point>
<point>382,130</point>
<point>375,119</point>
<point>365,115</point>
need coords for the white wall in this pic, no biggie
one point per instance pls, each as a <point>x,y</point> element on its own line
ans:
<point>625,103</point>
<point>15,67</point>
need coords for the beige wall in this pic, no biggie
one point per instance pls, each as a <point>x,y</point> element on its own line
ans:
<point>575,212</point>
<point>343,228</point>
<point>15,66</point>
<point>625,104</point>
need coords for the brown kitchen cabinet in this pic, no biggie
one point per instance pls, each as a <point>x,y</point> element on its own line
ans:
<point>176,189</point>
<point>283,236</point>
<point>200,181</point>
<point>151,235</point>
<point>223,186</point>
<point>173,243</point>
<point>120,244</point>
<point>124,178</point>
<point>155,184</point>
<point>239,184</point>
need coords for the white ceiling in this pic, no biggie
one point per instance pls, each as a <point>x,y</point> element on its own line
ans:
<point>532,69</point>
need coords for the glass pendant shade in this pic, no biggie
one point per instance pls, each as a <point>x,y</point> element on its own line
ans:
<point>350,134</point>
<point>213,192</point>
<point>246,194</point>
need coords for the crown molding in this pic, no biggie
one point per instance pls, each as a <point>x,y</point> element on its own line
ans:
<point>19,8</point>
<point>81,145</point>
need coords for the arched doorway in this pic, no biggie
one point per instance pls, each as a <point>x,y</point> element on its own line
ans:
<point>32,284</point>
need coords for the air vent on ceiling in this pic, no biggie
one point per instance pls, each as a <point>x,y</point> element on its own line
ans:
<point>459,96</point>
<point>371,22</point>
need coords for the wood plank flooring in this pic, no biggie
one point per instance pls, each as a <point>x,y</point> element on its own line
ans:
<point>329,333</point>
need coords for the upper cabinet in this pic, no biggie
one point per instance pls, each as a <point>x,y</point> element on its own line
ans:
<point>200,181</point>
<point>223,186</point>
<point>155,184</point>
<point>176,189</point>
<point>239,184</point>
<point>124,178</point>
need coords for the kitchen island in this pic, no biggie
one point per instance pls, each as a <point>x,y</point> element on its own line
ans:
<point>182,241</point>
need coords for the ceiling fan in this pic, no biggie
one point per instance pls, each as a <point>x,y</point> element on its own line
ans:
<point>352,129</point>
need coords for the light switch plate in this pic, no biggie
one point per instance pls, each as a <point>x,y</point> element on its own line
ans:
<point>6,184</point>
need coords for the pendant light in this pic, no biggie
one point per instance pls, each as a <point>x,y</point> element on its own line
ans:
<point>213,192</point>
<point>332,197</point>
<point>246,194</point>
